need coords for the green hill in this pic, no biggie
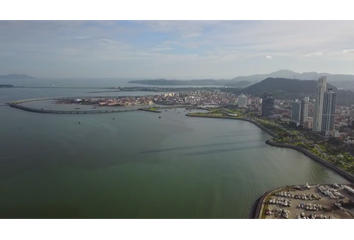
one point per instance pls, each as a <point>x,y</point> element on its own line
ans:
<point>284,88</point>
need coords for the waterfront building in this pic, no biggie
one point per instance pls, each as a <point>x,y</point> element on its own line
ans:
<point>242,100</point>
<point>267,104</point>
<point>296,112</point>
<point>329,107</point>
<point>304,110</point>
<point>317,116</point>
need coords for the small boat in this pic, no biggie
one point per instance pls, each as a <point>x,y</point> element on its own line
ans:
<point>160,117</point>
<point>79,122</point>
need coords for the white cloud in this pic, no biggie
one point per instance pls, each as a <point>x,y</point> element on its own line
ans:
<point>269,57</point>
<point>349,51</point>
<point>314,54</point>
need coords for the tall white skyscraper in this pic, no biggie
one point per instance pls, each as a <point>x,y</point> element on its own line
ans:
<point>317,117</point>
<point>296,112</point>
<point>329,109</point>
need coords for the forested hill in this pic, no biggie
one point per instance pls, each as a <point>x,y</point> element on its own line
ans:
<point>284,88</point>
<point>284,85</point>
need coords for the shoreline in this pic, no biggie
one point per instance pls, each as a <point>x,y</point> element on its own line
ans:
<point>257,208</point>
<point>325,163</point>
<point>320,160</point>
<point>242,119</point>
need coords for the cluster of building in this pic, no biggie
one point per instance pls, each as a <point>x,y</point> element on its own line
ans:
<point>323,120</point>
<point>320,114</point>
<point>201,97</point>
<point>116,101</point>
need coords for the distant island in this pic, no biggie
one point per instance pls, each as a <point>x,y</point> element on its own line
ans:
<point>6,86</point>
<point>16,76</point>
<point>204,82</point>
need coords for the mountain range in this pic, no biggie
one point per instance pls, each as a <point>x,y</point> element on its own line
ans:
<point>345,81</point>
<point>294,75</point>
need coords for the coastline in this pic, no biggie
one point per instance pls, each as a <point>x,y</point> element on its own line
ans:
<point>325,163</point>
<point>242,119</point>
<point>257,208</point>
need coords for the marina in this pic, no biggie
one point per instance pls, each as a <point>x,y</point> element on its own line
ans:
<point>321,201</point>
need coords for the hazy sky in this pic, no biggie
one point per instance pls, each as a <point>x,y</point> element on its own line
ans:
<point>174,49</point>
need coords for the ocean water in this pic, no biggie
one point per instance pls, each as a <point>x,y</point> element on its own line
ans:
<point>137,165</point>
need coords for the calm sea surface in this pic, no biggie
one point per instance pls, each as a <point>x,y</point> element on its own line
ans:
<point>137,165</point>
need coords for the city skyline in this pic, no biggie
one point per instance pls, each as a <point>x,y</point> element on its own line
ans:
<point>174,49</point>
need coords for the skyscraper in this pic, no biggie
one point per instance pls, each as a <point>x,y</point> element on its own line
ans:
<point>296,112</point>
<point>329,108</point>
<point>317,117</point>
<point>267,104</point>
<point>304,110</point>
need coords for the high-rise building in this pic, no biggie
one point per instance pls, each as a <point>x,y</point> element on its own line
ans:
<point>267,104</point>
<point>304,110</point>
<point>317,116</point>
<point>296,112</point>
<point>242,100</point>
<point>329,109</point>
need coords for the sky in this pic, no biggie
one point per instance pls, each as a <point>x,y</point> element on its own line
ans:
<point>174,49</point>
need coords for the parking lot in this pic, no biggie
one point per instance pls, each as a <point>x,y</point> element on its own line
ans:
<point>309,202</point>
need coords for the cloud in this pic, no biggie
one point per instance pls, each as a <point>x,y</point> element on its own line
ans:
<point>81,37</point>
<point>314,54</point>
<point>203,48</point>
<point>349,51</point>
<point>162,49</point>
